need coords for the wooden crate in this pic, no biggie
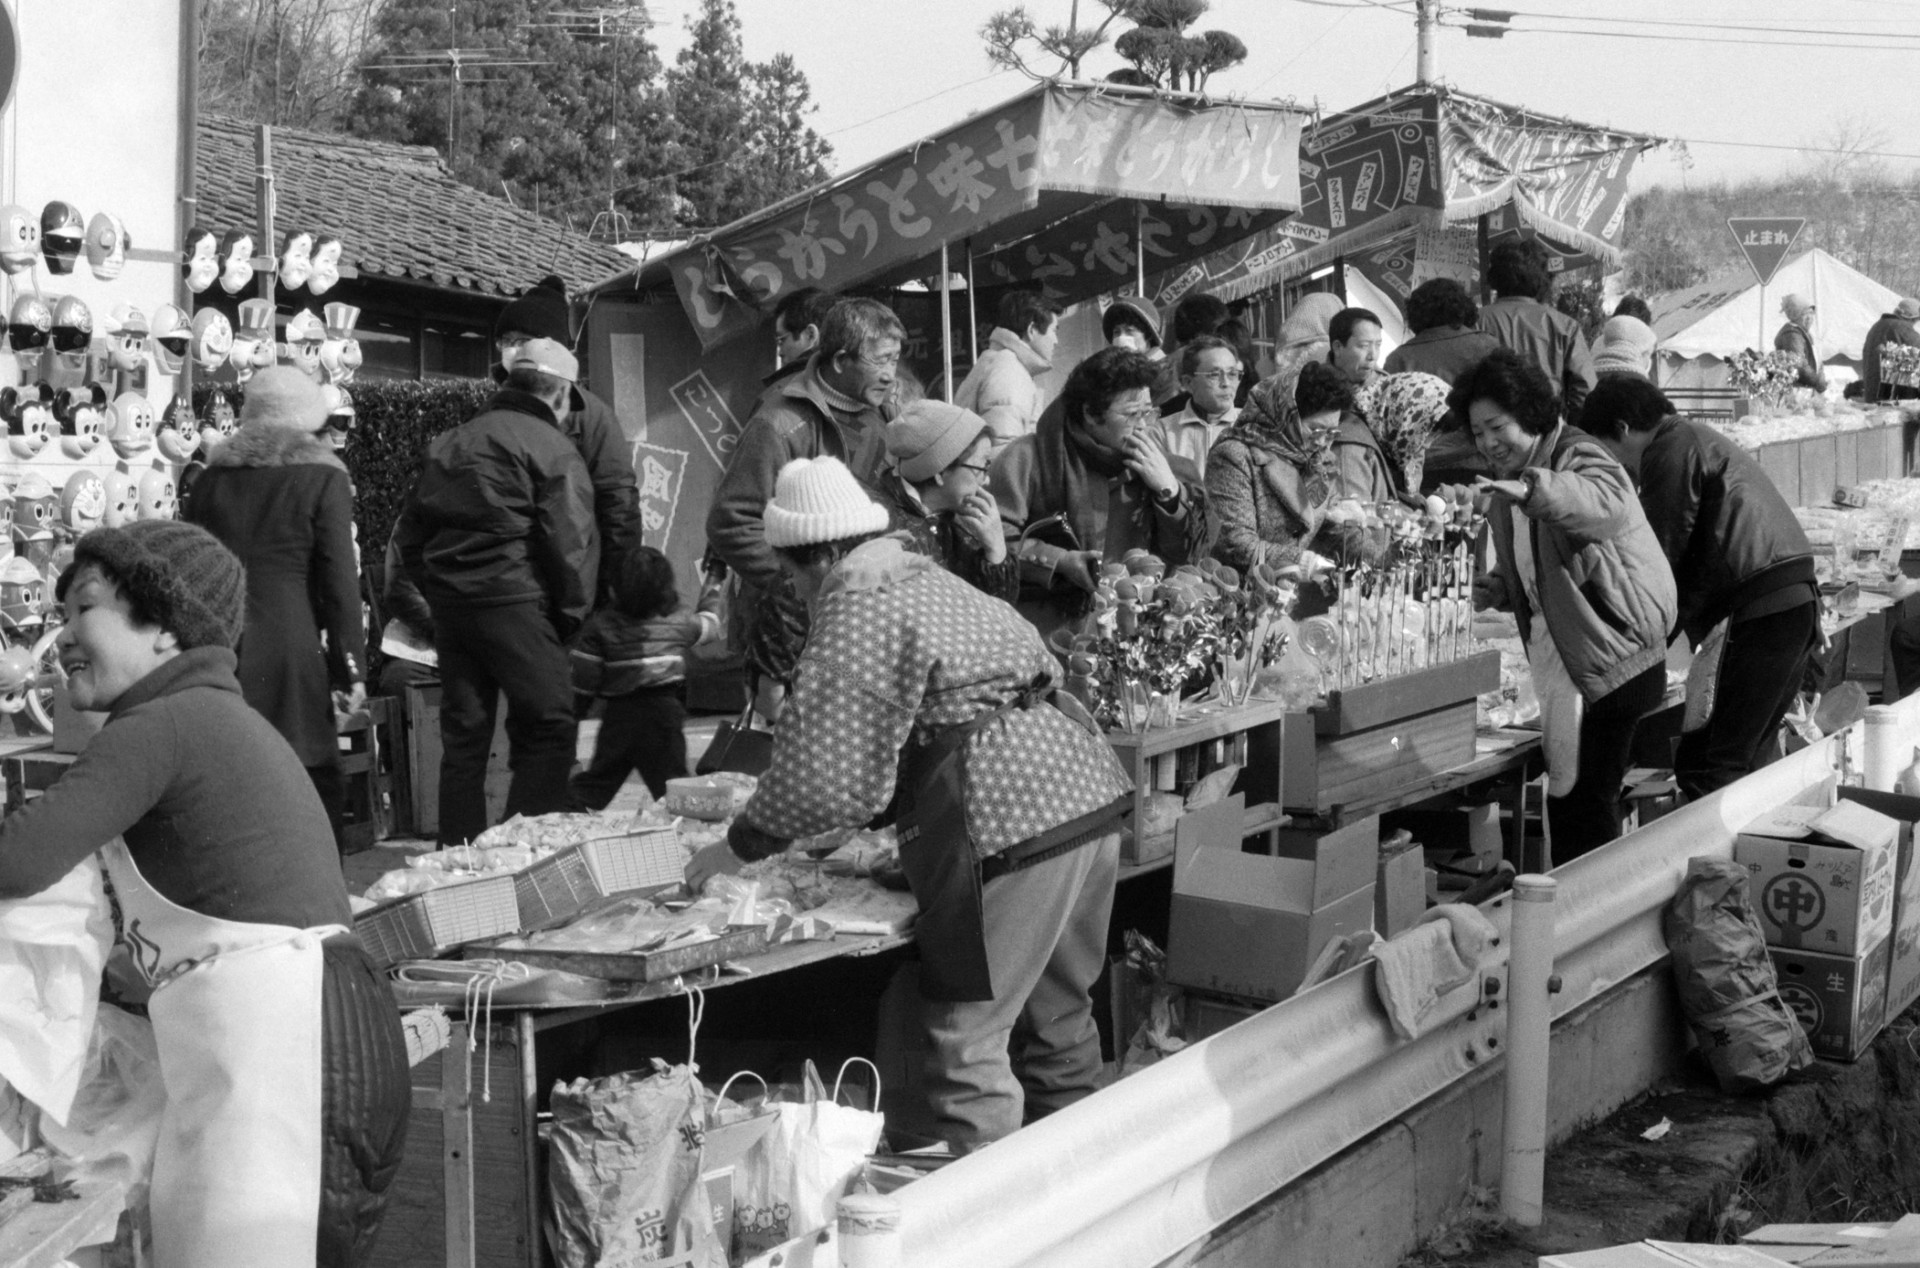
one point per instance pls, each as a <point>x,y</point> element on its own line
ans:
<point>1139,752</point>
<point>492,1173</point>
<point>1375,704</point>
<point>1320,773</point>
<point>373,764</point>
<point>423,759</point>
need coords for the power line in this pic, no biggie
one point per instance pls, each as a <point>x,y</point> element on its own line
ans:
<point>1703,39</point>
<point>1711,26</point>
<point>1313,43</point>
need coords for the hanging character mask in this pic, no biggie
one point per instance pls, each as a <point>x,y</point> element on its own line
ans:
<point>29,327</point>
<point>29,414</point>
<point>305,336</point>
<point>132,431</point>
<point>340,352</point>
<point>19,239</point>
<point>157,500</point>
<point>107,245</point>
<point>170,340</point>
<point>63,231</point>
<point>326,266</point>
<point>220,420</point>
<point>79,411</point>
<point>212,339</point>
<point>175,435</point>
<point>122,499</point>
<point>72,328</point>
<point>296,260</point>
<point>83,503</point>
<point>127,333</point>
<point>236,261</point>
<point>202,259</point>
<point>23,593</point>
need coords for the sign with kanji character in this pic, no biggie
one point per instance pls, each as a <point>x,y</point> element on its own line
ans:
<point>1765,241</point>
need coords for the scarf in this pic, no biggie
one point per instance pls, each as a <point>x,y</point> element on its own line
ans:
<point>1404,411</point>
<point>1074,469</point>
<point>1298,468</point>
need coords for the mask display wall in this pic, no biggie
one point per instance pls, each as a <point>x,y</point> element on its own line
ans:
<point>203,260</point>
<point>80,412</point>
<point>220,420</point>
<point>177,434</point>
<point>107,245</point>
<point>63,231</point>
<point>83,503</point>
<point>157,500</point>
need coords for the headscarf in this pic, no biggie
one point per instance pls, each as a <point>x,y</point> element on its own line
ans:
<point>1404,411</point>
<point>1271,425</point>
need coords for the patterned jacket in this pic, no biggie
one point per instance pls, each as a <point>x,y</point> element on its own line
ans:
<point>901,649</point>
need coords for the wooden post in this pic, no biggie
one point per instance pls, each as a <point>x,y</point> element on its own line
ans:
<point>946,324</point>
<point>263,192</point>
<point>456,1127</point>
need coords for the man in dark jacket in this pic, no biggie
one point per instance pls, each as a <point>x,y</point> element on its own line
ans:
<point>587,421</point>
<point>1894,327</point>
<point>1521,319</point>
<point>797,319</point>
<point>499,535</point>
<point>1738,556</point>
<point>834,408</point>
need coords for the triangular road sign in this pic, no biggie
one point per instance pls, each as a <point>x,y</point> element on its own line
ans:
<point>1765,241</point>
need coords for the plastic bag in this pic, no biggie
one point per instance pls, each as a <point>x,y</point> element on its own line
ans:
<point>791,1182</point>
<point>53,949</point>
<point>1727,987</point>
<point>623,1172</point>
<point>115,1120</point>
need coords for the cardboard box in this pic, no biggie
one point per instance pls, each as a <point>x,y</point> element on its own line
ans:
<point>1822,878</point>
<point>1245,924</point>
<point>1399,889</point>
<point>1841,1000</point>
<point>72,727</point>
<point>1843,1245</point>
<point>1664,1255</point>
<point>1343,860</point>
<point>1903,964</point>
<point>1207,1017</point>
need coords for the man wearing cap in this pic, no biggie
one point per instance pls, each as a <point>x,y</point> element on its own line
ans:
<point>834,408</point>
<point>1625,349</point>
<point>1894,327</point>
<point>499,536</point>
<point>586,420</point>
<point>935,488</point>
<point>1796,337</point>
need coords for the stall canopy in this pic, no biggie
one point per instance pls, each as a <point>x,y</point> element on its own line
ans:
<point>1070,187</point>
<point>1388,185</point>
<point>1702,327</point>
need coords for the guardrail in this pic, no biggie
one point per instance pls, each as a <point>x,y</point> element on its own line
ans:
<point>1154,1163</point>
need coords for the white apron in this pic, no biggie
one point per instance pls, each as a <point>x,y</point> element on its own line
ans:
<point>1562,707</point>
<point>236,1014</point>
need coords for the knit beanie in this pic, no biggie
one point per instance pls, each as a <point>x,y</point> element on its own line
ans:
<point>928,436</point>
<point>1135,311</point>
<point>1907,309</point>
<point>818,500</point>
<point>1796,306</point>
<point>1625,344</point>
<point>179,572</point>
<point>540,313</point>
<point>1309,320</point>
<point>547,357</point>
<point>282,396</point>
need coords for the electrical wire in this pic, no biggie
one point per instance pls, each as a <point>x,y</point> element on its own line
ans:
<point>1711,26</point>
<point>1706,39</point>
<point>1311,44</point>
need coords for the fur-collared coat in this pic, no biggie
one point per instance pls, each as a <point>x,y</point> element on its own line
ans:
<point>280,499</point>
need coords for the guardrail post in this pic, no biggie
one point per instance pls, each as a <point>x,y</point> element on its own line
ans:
<point>869,1225</point>
<point>1882,758</point>
<point>1529,1023</point>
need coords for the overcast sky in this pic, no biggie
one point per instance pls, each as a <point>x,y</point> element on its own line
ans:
<point>886,72</point>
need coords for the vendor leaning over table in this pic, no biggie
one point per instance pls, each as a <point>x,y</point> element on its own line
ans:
<point>917,692</point>
<point>1744,570</point>
<point>279,1043</point>
<point>1580,569</point>
<point>1093,481</point>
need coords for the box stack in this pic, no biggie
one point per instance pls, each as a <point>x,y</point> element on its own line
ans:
<point>1248,926</point>
<point>1903,962</point>
<point>1823,885</point>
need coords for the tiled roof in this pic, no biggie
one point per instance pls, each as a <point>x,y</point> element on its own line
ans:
<point>396,209</point>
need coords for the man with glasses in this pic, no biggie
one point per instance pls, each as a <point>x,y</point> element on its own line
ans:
<point>1093,482</point>
<point>836,407</point>
<point>587,421</point>
<point>1210,375</point>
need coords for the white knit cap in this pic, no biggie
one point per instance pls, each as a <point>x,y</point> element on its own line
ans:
<point>818,500</point>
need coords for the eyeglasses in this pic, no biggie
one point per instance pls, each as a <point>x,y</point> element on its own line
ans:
<point>979,468</point>
<point>1221,377</point>
<point>1135,417</point>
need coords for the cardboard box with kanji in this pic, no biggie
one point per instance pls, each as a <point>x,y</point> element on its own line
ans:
<point>1822,878</point>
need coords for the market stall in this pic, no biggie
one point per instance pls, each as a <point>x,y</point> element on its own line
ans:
<point>1078,189</point>
<point>1419,183</point>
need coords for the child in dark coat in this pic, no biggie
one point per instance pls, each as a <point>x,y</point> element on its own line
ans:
<point>633,655</point>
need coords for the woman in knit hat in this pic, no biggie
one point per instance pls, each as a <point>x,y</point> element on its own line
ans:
<point>277,494</point>
<point>935,488</point>
<point>1625,348</point>
<point>285,1067</point>
<point>918,693</point>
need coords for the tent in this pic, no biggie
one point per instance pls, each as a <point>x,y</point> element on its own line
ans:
<point>1702,327</point>
<point>1415,184</point>
<point>1079,189</point>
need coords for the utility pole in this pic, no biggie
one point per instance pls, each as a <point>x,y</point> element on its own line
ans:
<point>1424,22</point>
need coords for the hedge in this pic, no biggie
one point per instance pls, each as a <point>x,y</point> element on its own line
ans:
<point>394,420</point>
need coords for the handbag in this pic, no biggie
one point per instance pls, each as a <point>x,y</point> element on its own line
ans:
<point>738,745</point>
